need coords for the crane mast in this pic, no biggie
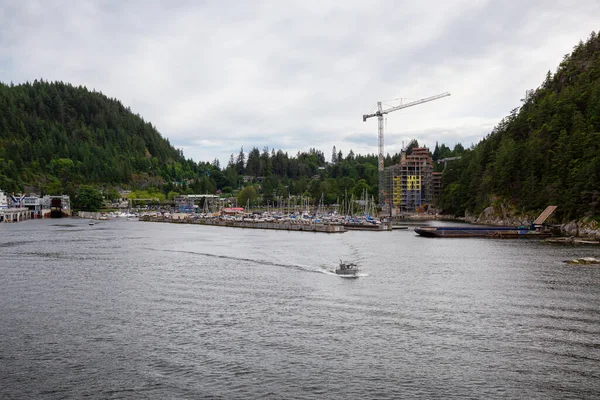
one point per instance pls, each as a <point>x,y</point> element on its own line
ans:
<point>379,114</point>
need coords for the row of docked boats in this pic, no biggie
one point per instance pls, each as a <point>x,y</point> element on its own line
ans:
<point>363,221</point>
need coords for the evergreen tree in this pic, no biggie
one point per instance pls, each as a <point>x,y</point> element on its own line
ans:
<point>240,162</point>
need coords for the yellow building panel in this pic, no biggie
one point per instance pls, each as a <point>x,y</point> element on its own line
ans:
<point>413,182</point>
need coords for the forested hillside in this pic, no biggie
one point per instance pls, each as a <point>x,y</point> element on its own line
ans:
<point>545,152</point>
<point>54,136</point>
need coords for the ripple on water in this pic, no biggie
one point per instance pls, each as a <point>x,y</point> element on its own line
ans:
<point>178,311</point>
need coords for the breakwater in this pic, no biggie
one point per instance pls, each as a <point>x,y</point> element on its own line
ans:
<point>368,227</point>
<point>283,226</point>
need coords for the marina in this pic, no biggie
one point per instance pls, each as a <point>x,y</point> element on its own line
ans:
<point>302,222</point>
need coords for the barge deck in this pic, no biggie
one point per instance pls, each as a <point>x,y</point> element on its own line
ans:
<point>479,232</point>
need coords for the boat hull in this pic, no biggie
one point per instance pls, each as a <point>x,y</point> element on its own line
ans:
<point>346,272</point>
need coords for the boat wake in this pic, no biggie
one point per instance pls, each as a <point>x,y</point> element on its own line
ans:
<point>325,270</point>
<point>322,269</point>
<point>357,275</point>
<point>255,261</point>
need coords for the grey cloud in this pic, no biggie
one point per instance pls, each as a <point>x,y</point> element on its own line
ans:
<point>213,76</point>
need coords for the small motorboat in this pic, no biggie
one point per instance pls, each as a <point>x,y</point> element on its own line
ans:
<point>91,222</point>
<point>347,269</point>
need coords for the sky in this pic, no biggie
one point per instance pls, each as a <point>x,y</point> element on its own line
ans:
<point>216,76</point>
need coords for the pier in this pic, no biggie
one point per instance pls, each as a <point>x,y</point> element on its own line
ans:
<point>15,214</point>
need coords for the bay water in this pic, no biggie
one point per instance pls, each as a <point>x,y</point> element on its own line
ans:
<point>127,309</point>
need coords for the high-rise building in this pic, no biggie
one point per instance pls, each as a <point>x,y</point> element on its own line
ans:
<point>409,185</point>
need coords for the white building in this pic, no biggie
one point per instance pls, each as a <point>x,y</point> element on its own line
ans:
<point>34,203</point>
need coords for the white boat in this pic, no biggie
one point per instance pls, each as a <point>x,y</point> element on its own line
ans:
<point>347,269</point>
<point>91,222</point>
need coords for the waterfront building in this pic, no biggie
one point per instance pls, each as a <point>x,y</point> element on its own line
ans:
<point>56,206</point>
<point>34,203</point>
<point>12,209</point>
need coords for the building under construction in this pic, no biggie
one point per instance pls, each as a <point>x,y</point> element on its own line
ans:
<point>411,185</point>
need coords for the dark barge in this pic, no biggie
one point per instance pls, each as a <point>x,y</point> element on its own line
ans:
<point>536,231</point>
<point>480,232</point>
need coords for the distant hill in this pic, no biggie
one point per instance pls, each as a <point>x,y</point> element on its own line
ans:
<point>545,152</point>
<point>55,136</point>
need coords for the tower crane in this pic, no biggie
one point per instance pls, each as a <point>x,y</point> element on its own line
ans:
<point>379,114</point>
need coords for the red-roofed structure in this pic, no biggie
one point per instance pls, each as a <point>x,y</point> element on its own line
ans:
<point>233,210</point>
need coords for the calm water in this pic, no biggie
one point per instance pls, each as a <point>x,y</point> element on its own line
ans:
<point>142,310</point>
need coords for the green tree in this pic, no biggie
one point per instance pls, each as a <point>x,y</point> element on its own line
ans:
<point>359,188</point>
<point>112,194</point>
<point>87,199</point>
<point>247,195</point>
<point>53,187</point>
<point>253,164</point>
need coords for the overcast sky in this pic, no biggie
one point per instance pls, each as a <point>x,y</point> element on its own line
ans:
<point>214,76</point>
